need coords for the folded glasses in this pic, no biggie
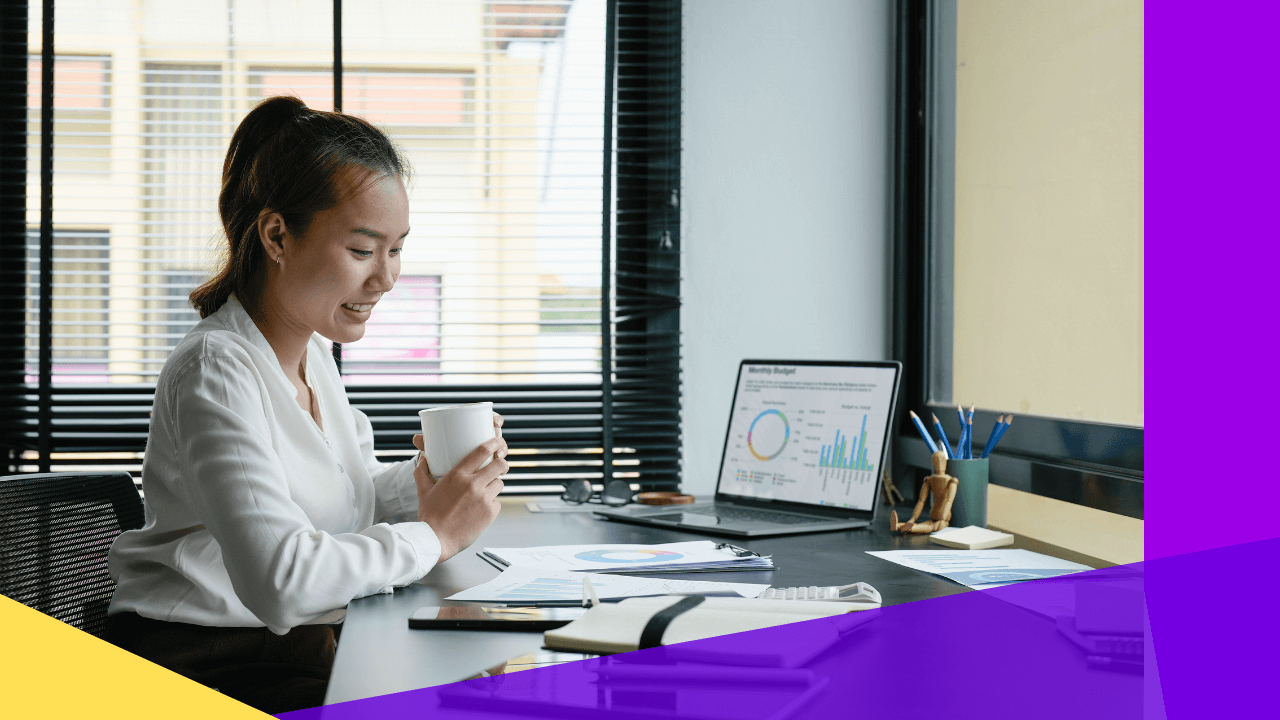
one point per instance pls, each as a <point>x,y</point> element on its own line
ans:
<point>615,492</point>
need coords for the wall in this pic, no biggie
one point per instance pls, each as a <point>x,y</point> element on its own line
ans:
<point>1049,208</point>
<point>786,192</point>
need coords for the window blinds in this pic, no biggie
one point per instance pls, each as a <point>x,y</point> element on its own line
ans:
<point>518,171</point>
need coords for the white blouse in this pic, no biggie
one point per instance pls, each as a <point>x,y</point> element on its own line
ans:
<point>254,515</point>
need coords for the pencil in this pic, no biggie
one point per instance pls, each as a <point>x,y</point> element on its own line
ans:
<point>960,440</point>
<point>986,449</point>
<point>999,433</point>
<point>942,434</point>
<point>923,433</point>
<point>968,438</point>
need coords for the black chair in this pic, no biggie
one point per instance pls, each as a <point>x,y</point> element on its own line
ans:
<point>55,531</point>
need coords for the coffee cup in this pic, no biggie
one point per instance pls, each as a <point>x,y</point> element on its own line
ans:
<point>450,433</point>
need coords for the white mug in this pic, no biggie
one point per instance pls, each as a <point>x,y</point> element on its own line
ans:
<point>450,433</point>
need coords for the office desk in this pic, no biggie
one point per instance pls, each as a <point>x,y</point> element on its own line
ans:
<point>378,654</point>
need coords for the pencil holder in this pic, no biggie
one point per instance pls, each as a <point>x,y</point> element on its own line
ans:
<point>970,507</point>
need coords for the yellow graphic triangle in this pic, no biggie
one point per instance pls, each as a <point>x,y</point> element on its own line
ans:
<point>49,669</point>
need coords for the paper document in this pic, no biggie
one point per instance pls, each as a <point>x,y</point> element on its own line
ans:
<point>668,557</point>
<point>982,569</point>
<point>528,586</point>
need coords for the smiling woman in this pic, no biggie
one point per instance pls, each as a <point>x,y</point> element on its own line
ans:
<point>267,510</point>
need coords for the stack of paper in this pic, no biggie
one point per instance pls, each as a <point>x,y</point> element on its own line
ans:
<point>971,538</point>
<point>528,586</point>
<point>682,557</point>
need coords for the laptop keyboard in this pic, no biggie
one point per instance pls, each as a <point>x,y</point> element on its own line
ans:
<point>734,513</point>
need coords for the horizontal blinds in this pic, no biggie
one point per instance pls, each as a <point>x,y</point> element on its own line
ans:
<point>18,416</point>
<point>646,254</point>
<point>499,108</point>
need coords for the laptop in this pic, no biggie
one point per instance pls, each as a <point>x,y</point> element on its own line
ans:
<point>803,453</point>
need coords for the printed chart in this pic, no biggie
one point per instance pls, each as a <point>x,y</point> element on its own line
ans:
<point>530,586</point>
<point>982,568</point>
<point>613,557</point>
<point>543,589</point>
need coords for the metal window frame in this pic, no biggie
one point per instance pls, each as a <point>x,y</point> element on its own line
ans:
<point>1094,464</point>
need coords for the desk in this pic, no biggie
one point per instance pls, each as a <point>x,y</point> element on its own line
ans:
<point>378,654</point>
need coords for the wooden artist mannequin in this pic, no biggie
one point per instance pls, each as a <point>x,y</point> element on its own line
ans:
<point>942,488</point>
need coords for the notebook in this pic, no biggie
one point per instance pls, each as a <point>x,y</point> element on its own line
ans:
<point>802,454</point>
<point>637,623</point>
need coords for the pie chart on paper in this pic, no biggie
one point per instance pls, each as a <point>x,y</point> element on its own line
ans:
<point>612,557</point>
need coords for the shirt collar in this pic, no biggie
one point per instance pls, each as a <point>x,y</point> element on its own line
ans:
<point>235,318</point>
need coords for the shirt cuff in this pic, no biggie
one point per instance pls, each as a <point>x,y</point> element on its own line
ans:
<point>426,546</point>
<point>403,503</point>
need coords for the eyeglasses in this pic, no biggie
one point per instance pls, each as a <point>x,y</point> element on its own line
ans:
<point>615,492</point>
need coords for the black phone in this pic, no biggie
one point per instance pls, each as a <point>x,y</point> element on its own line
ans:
<point>508,619</point>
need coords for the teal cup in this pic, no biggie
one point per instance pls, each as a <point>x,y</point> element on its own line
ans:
<point>970,506</point>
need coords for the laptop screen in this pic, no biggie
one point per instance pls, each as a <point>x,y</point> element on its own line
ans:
<point>809,433</point>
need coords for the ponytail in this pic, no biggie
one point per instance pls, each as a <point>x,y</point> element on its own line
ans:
<point>289,159</point>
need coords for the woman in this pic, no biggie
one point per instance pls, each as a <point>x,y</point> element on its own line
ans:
<point>266,509</point>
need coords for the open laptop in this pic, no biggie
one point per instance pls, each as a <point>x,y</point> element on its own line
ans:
<point>803,452</point>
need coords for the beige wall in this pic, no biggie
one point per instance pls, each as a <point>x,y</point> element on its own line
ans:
<point>1048,208</point>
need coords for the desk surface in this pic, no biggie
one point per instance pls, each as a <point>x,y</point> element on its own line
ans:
<point>378,654</point>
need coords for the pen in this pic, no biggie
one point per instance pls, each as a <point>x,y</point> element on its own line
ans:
<point>968,437</point>
<point>986,449</point>
<point>942,435</point>
<point>704,673</point>
<point>1104,662</point>
<point>923,433</point>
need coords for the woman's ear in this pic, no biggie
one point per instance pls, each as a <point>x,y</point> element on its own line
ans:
<point>271,233</point>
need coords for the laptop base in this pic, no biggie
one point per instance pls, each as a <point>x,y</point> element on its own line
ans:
<point>691,519</point>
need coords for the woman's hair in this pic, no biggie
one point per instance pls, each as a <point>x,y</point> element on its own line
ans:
<point>290,159</point>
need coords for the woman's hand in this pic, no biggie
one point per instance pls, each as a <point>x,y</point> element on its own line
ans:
<point>460,505</point>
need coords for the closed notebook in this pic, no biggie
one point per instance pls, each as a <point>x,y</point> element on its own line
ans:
<point>637,623</point>
<point>971,538</point>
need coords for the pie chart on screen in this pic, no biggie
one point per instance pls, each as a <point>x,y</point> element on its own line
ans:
<point>610,557</point>
<point>768,434</point>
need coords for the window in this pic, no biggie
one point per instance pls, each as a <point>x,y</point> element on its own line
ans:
<point>534,128</point>
<point>402,340</point>
<point>1020,225</point>
<point>80,282</point>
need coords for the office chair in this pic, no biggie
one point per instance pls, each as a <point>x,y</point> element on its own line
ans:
<point>55,531</point>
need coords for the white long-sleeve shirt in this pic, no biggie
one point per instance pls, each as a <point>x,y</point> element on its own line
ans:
<point>254,515</point>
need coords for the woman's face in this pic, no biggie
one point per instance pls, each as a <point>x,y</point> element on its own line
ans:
<point>329,280</point>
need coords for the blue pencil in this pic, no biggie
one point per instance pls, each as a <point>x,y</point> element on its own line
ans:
<point>942,435</point>
<point>995,429</point>
<point>959,453</point>
<point>999,434</point>
<point>923,433</point>
<point>968,438</point>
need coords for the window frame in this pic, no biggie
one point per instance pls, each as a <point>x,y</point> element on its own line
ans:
<point>634,411</point>
<point>1098,465</point>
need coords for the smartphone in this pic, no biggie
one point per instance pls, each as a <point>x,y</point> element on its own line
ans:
<point>508,619</point>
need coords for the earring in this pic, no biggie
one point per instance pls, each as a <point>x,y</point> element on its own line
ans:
<point>277,260</point>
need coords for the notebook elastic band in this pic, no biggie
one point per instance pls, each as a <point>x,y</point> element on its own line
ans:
<point>652,635</point>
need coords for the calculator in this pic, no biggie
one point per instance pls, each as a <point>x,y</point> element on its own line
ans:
<point>855,593</point>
